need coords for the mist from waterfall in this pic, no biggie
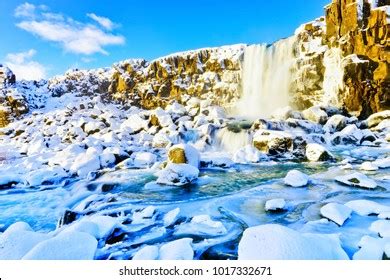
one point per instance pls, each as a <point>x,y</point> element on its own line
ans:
<point>266,79</point>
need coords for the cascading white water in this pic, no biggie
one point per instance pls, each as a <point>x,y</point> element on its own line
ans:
<point>266,79</point>
<point>232,141</point>
<point>333,77</point>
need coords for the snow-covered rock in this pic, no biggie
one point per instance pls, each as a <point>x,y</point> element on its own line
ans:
<point>249,154</point>
<point>144,159</point>
<point>273,142</point>
<point>375,119</point>
<point>370,248</point>
<point>147,253</point>
<point>349,135</point>
<point>49,175</point>
<point>368,166</point>
<point>336,212</point>
<point>357,179</point>
<point>315,114</point>
<point>382,162</point>
<point>316,152</point>
<point>86,162</point>
<point>296,178</point>
<point>184,153</point>
<point>134,123</point>
<point>65,246</point>
<point>384,215</point>
<point>18,240</point>
<point>177,174</point>
<point>180,249</point>
<point>276,242</point>
<point>366,207</point>
<point>335,123</point>
<point>382,227</point>
<point>275,204</point>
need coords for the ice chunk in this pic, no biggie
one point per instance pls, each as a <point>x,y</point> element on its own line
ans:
<point>180,249</point>
<point>201,225</point>
<point>65,246</point>
<point>296,178</point>
<point>171,217</point>
<point>357,180</point>
<point>336,212</point>
<point>276,242</point>
<point>275,204</point>
<point>140,217</point>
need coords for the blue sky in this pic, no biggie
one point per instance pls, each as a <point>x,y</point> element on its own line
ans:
<point>47,37</point>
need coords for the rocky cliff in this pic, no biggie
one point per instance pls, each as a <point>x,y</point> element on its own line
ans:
<point>212,73</point>
<point>344,57</point>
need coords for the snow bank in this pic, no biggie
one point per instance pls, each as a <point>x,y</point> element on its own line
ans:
<point>65,246</point>
<point>276,242</point>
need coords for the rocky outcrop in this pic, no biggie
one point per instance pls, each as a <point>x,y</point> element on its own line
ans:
<point>7,77</point>
<point>213,73</point>
<point>352,43</point>
<point>7,103</point>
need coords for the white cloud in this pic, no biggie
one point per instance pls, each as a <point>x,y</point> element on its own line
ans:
<point>103,21</point>
<point>24,67</point>
<point>25,10</point>
<point>73,36</point>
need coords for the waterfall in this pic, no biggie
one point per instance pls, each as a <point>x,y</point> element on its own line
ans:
<point>333,77</point>
<point>230,141</point>
<point>266,79</point>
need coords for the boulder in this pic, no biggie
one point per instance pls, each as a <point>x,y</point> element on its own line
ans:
<point>349,135</point>
<point>273,142</point>
<point>177,174</point>
<point>276,204</point>
<point>357,180</point>
<point>184,153</point>
<point>276,242</point>
<point>296,178</point>
<point>315,114</point>
<point>336,212</point>
<point>316,152</point>
<point>376,118</point>
<point>335,123</point>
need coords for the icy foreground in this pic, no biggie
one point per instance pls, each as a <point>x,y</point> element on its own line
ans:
<point>83,178</point>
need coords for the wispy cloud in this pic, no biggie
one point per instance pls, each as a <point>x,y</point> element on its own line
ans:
<point>24,67</point>
<point>73,36</point>
<point>103,21</point>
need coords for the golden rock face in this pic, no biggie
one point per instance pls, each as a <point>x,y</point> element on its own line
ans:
<point>4,118</point>
<point>202,73</point>
<point>367,83</point>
